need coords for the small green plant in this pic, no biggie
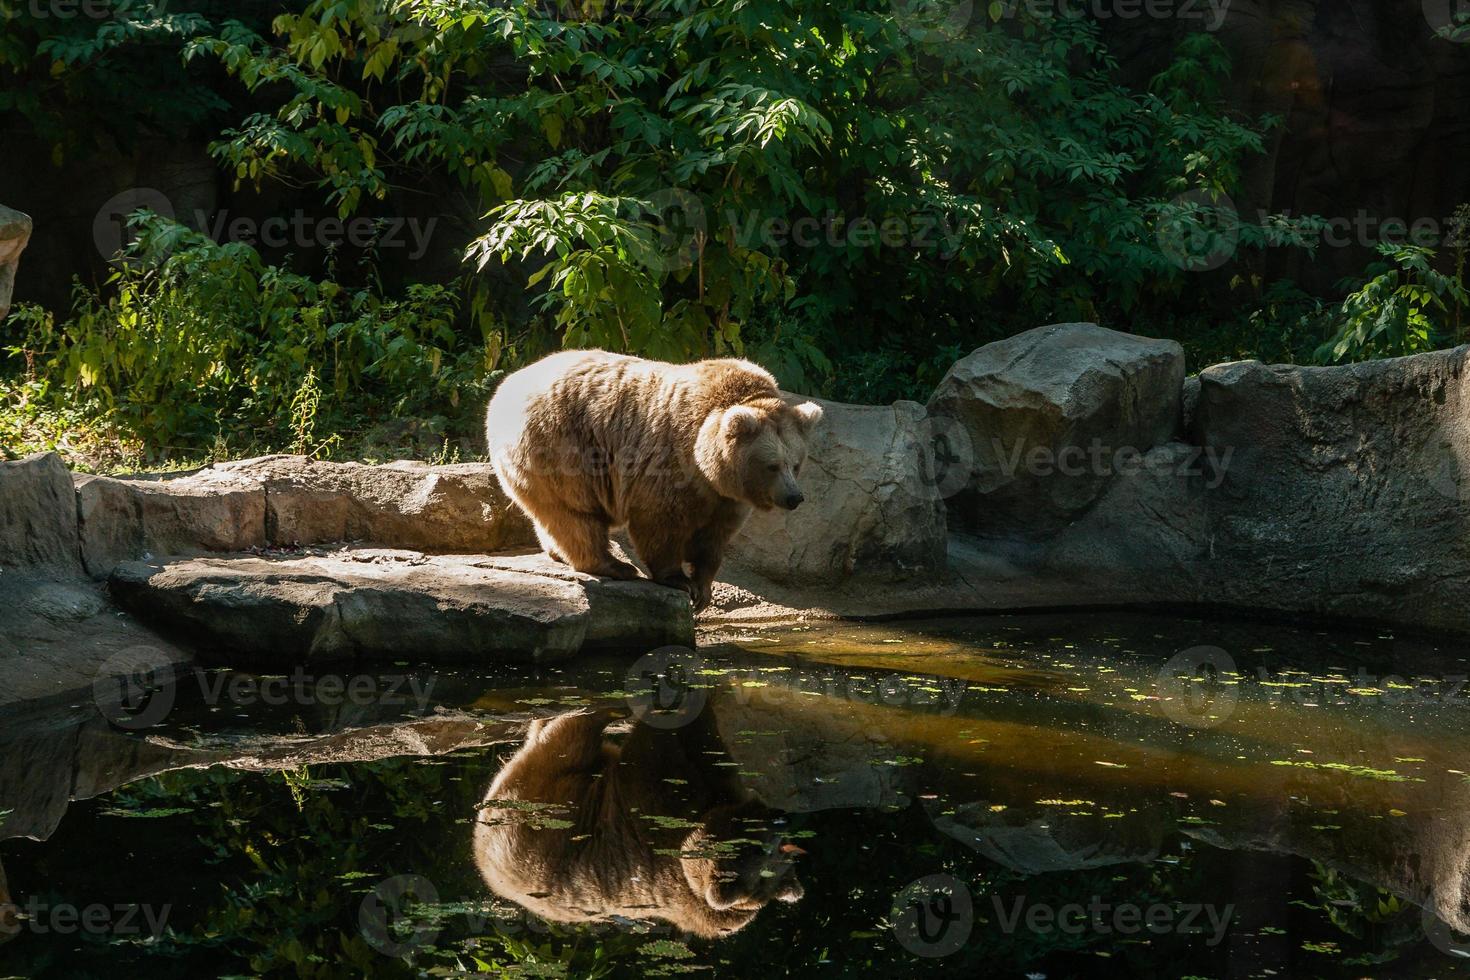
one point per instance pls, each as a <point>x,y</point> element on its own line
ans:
<point>305,405</point>
<point>1403,308</point>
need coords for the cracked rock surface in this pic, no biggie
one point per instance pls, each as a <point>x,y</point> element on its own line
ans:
<point>1040,418</point>
<point>871,510</point>
<point>384,604</point>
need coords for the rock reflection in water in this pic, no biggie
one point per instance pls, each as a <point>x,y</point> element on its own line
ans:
<point>579,829</point>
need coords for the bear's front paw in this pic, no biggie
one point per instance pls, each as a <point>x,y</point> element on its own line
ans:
<point>700,594</point>
<point>685,583</point>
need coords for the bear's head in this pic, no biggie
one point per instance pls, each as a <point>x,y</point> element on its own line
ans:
<point>753,452</point>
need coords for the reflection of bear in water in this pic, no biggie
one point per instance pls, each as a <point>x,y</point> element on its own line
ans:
<point>657,830</point>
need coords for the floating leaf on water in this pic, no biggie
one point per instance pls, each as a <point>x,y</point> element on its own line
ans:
<point>1385,775</point>
<point>666,949</point>
<point>152,814</point>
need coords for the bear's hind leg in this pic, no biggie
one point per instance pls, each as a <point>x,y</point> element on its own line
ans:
<point>663,555</point>
<point>581,541</point>
<point>548,544</point>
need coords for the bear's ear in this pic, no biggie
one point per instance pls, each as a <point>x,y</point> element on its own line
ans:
<point>808,415</point>
<point>741,422</point>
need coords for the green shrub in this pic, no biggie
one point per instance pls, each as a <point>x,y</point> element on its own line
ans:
<point>1405,306</point>
<point>646,165</point>
<point>195,340</point>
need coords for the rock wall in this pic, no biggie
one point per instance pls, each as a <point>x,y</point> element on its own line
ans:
<point>38,515</point>
<point>1040,409</point>
<point>270,563</point>
<point>874,511</point>
<point>1339,491</point>
<point>1347,489</point>
<point>288,501</point>
<point>1070,466</point>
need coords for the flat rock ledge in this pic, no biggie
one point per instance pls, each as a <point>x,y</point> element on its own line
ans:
<point>377,604</point>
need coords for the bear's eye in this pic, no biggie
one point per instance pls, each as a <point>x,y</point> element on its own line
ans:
<point>796,470</point>
<point>774,467</point>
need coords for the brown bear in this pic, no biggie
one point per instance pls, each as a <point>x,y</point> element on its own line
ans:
<point>586,441</point>
<point>578,829</point>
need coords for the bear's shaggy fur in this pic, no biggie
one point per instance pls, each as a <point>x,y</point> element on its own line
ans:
<point>587,441</point>
<point>577,829</point>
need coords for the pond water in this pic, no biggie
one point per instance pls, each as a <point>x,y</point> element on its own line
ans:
<point>1034,796</point>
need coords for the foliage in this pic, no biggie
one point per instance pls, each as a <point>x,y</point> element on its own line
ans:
<point>853,195</point>
<point>685,178</point>
<point>200,340</point>
<point>1401,309</point>
<point>89,77</point>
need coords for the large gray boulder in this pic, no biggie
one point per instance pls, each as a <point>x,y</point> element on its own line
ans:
<point>38,515</point>
<point>1147,539</point>
<point>58,632</point>
<point>457,509</point>
<point>289,501</point>
<point>379,604</point>
<point>1049,416</point>
<point>871,511</point>
<point>1346,490</point>
<point>126,519</point>
<point>15,235</point>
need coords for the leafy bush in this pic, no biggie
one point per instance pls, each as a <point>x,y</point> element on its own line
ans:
<point>1404,307</point>
<point>853,194</point>
<point>687,177</point>
<point>198,340</point>
<point>97,76</point>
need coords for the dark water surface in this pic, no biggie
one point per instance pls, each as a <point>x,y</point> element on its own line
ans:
<point>1029,796</point>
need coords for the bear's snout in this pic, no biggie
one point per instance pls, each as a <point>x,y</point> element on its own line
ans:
<point>793,500</point>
